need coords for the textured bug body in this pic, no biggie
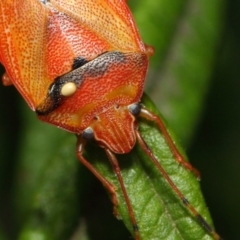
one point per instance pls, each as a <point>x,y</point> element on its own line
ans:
<point>112,76</point>
<point>39,52</point>
<point>81,65</point>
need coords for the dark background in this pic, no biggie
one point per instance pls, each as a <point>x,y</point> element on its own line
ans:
<point>216,147</point>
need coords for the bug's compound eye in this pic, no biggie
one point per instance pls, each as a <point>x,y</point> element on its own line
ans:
<point>135,109</point>
<point>68,89</point>
<point>88,134</point>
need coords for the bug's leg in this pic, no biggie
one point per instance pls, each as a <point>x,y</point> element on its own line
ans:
<point>117,171</point>
<point>195,213</point>
<point>110,187</point>
<point>6,80</point>
<point>177,155</point>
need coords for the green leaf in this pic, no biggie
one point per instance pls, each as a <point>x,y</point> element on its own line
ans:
<point>159,213</point>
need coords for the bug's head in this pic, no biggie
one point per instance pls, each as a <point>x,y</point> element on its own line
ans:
<point>114,128</point>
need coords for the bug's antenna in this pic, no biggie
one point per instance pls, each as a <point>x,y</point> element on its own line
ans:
<point>117,170</point>
<point>177,155</point>
<point>110,187</point>
<point>195,213</point>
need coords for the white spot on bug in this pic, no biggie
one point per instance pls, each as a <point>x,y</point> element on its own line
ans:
<point>68,89</point>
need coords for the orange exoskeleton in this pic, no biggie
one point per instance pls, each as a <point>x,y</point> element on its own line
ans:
<point>81,65</point>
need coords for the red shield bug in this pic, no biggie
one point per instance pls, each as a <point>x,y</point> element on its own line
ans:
<point>81,66</point>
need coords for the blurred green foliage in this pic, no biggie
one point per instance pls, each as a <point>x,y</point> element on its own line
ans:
<point>193,79</point>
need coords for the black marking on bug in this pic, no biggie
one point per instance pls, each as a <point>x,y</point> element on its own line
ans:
<point>101,64</point>
<point>78,62</point>
<point>94,69</point>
